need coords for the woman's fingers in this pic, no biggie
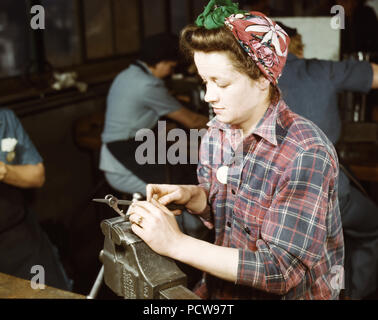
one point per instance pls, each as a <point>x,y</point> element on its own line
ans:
<point>137,215</point>
<point>158,190</point>
<point>144,213</point>
<point>138,230</point>
<point>135,208</point>
<point>163,208</point>
<point>152,207</point>
<point>168,198</point>
<point>167,193</point>
<point>154,224</point>
<point>151,190</point>
<point>180,196</point>
<point>137,219</point>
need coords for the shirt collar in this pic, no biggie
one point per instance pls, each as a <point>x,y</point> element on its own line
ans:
<point>145,66</point>
<point>266,127</point>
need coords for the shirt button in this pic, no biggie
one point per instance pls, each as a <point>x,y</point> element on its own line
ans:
<point>228,224</point>
<point>247,230</point>
<point>233,191</point>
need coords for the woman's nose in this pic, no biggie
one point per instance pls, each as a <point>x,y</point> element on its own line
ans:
<point>210,95</point>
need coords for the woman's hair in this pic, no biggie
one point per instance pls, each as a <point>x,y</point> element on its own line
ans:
<point>159,47</point>
<point>195,38</point>
<point>296,45</point>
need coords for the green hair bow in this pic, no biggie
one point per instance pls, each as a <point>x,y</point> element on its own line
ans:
<point>215,12</point>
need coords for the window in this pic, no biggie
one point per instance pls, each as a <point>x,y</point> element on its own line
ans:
<point>98,28</point>
<point>80,34</point>
<point>14,38</point>
<point>111,27</point>
<point>76,32</point>
<point>127,26</point>
<point>61,34</point>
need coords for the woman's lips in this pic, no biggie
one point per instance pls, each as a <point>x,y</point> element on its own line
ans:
<point>217,110</point>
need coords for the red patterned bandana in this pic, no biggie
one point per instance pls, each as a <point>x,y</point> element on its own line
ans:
<point>264,41</point>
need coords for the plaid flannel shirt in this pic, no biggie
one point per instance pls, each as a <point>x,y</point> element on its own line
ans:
<point>279,207</point>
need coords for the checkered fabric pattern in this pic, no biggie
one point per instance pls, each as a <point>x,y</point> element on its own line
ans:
<point>279,207</point>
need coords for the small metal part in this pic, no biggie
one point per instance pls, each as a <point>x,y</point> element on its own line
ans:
<point>113,202</point>
<point>120,202</point>
<point>137,196</point>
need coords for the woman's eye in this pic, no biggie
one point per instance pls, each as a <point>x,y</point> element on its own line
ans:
<point>222,85</point>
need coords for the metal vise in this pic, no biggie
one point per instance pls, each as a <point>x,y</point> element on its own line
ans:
<point>134,271</point>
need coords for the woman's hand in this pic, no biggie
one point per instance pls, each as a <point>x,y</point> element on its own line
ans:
<point>156,225</point>
<point>193,197</point>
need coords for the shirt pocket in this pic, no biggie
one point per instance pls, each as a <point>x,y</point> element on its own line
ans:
<point>248,219</point>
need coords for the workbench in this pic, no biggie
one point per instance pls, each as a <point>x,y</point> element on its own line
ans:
<point>16,288</point>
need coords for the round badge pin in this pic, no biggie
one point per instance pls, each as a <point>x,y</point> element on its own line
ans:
<point>222,174</point>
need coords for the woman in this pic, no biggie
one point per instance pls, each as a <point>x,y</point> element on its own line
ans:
<point>268,178</point>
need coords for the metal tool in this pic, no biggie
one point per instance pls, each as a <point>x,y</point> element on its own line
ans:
<point>134,271</point>
<point>131,269</point>
<point>97,284</point>
<point>113,202</point>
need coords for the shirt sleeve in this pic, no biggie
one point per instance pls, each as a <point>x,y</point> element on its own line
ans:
<point>159,99</point>
<point>26,152</point>
<point>350,75</point>
<point>204,167</point>
<point>294,229</point>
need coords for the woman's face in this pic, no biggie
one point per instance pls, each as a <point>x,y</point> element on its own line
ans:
<point>235,98</point>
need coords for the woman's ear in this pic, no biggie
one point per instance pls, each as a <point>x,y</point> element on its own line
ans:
<point>263,83</point>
